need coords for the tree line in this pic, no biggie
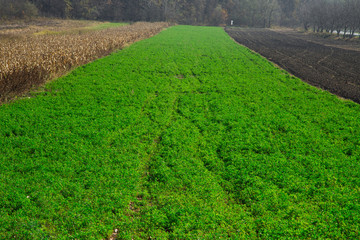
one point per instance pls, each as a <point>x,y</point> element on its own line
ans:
<point>339,16</point>
<point>207,12</point>
<point>321,15</point>
<point>261,13</point>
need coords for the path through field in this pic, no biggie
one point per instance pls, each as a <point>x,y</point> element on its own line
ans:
<point>186,135</point>
<point>330,65</point>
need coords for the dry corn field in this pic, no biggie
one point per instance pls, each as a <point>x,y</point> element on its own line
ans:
<point>29,60</point>
<point>36,26</point>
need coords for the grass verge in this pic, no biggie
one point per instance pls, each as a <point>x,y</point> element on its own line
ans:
<point>82,30</point>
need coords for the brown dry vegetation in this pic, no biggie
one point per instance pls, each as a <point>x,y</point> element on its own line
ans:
<point>27,60</point>
<point>21,28</point>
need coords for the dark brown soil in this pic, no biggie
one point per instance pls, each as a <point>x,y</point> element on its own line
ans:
<point>325,63</point>
<point>338,42</point>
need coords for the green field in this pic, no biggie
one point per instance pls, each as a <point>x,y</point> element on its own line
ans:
<point>106,26</point>
<point>82,30</point>
<point>186,135</point>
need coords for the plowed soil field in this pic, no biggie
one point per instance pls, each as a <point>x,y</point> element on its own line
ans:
<point>332,66</point>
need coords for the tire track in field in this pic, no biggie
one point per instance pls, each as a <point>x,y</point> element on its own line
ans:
<point>136,207</point>
<point>326,57</point>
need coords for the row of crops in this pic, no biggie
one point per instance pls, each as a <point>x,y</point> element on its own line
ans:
<point>186,135</point>
<point>30,60</point>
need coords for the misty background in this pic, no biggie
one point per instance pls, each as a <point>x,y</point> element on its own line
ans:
<point>336,16</point>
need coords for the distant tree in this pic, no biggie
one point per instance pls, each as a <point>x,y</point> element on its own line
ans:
<point>17,9</point>
<point>271,7</point>
<point>287,9</point>
<point>352,9</point>
<point>169,8</point>
<point>321,15</point>
<point>83,9</point>
<point>303,13</point>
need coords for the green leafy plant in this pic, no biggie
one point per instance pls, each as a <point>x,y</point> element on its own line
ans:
<point>185,135</point>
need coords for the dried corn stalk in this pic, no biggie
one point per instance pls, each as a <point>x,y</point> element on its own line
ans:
<point>31,60</point>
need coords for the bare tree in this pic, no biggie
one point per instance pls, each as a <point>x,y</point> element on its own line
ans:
<point>17,9</point>
<point>303,13</point>
<point>352,11</point>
